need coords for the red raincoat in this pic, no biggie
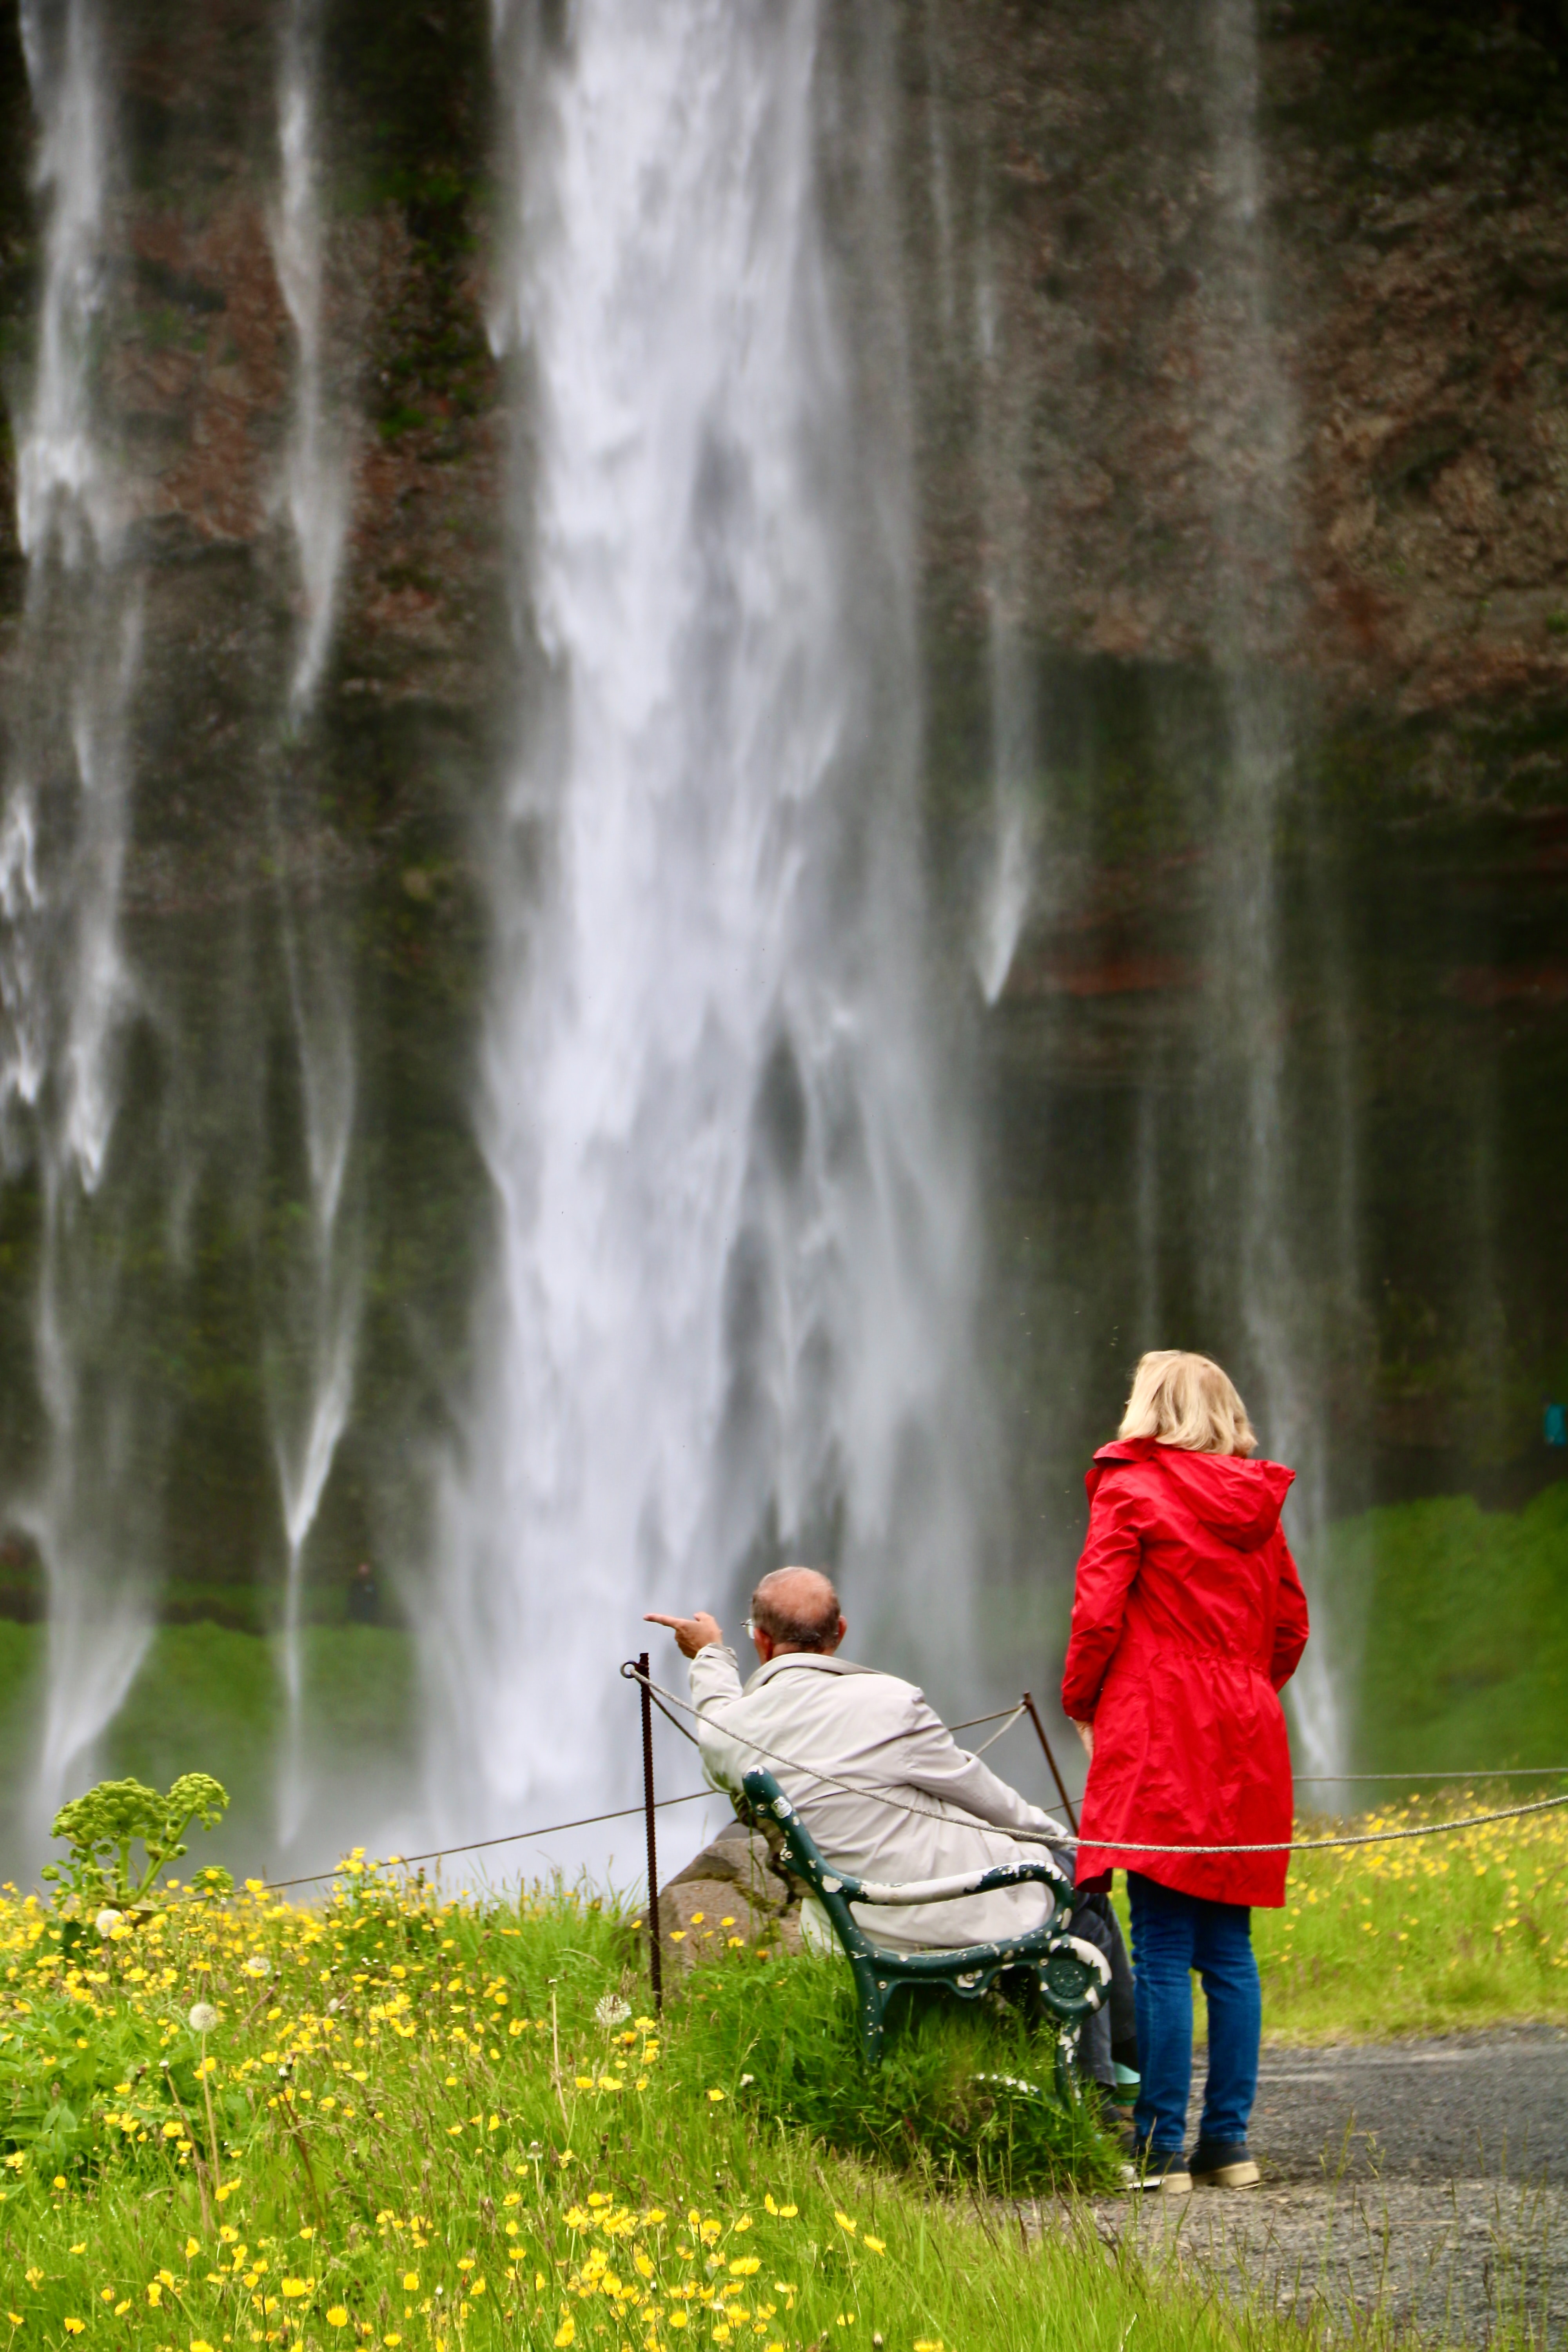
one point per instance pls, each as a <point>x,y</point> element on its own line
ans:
<point>1188,1618</point>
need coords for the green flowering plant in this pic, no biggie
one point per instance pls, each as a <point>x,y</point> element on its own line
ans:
<point>101,1827</point>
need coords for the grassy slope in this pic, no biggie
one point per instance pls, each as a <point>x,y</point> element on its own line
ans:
<point>1433,1935</point>
<point>209,1698</point>
<point>1462,1617</point>
<point>463,2153</point>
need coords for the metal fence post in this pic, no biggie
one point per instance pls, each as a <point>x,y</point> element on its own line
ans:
<point>656,1954</point>
<point>1045,1743</point>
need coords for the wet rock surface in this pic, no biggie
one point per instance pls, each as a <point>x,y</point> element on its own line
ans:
<point>1375,429</point>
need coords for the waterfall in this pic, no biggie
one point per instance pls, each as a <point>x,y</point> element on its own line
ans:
<point>312,1351</point>
<point>1266,1183</point>
<point>68,994</point>
<point>727,1323</point>
<point>315,485</point>
<point>1009,879</point>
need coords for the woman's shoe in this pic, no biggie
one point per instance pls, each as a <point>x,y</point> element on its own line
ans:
<point>1164,2174</point>
<point>1223,2164</point>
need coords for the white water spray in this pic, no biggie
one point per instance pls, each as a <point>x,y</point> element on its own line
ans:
<point>67,987</point>
<point>315,483</point>
<point>314,1351</point>
<point>1008,882</point>
<point>1251,454</point>
<point>728,1322</point>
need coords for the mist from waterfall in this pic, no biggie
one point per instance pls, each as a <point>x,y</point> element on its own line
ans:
<point>1293,1253</point>
<point>728,1318</point>
<point>312,1347</point>
<point>68,994</point>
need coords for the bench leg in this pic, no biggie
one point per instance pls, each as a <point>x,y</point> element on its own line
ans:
<point>870,2006</point>
<point>1061,2074</point>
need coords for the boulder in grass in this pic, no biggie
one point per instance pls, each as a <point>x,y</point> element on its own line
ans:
<point>703,1917</point>
<point>742,1857</point>
<point>727,1894</point>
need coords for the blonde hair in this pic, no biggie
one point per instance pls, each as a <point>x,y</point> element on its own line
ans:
<point>1186,1400</point>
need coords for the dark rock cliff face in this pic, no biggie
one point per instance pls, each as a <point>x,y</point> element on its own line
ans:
<point>197,355</point>
<point>1060,173</point>
<point>1413,204</point>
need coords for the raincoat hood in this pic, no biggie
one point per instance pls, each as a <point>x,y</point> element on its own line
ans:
<point>1239,1498</point>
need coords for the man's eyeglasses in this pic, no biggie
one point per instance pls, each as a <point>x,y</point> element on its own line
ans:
<point>751,1628</point>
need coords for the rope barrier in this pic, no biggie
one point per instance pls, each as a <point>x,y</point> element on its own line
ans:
<point>1122,1844</point>
<point>477,1845</point>
<point>592,1820</point>
<point>1007,1718</point>
<point>1320,1846</point>
<point>995,1735</point>
<point>1499,1772</point>
<point>1005,1715</point>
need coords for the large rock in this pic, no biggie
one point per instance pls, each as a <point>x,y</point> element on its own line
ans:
<point>727,1895</point>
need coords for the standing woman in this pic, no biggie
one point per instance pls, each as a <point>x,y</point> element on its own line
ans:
<point>1188,1619</point>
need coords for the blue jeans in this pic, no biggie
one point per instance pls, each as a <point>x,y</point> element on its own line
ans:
<point>1173,1934</point>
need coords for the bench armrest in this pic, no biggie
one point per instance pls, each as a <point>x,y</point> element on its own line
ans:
<point>947,1890</point>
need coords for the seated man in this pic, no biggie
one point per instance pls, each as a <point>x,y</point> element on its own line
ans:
<point>815,1721</point>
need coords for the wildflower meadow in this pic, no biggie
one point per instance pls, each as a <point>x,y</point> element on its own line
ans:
<point>413,2119</point>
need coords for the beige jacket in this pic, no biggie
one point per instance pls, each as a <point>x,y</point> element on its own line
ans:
<point>878,1735</point>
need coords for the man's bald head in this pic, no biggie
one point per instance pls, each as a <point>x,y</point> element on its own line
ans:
<point>798,1608</point>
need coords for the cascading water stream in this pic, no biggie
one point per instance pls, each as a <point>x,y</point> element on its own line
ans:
<point>314,1349</point>
<point>1290,1251</point>
<point>67,990</point>
<point>729,1318</point>
<point>1014,847</point>
<point>315,485</point>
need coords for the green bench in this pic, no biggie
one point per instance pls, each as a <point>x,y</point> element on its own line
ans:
<point>1072,1978</point>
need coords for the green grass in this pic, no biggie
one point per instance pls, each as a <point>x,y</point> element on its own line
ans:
<point>434,2124</point>
<point>1427,1935</point>
<point>473,2097</point>
<point>946,2094</point>
<point>207,1691</point>
<point>1453,1622</point>
<point>209,1698</point>
<point>1433,1935</point>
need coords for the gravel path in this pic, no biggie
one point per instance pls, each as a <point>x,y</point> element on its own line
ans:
<point>1469,2107</point>
<point>1425,2184</point>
